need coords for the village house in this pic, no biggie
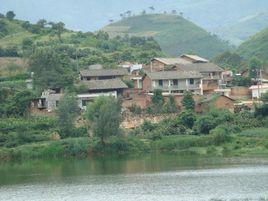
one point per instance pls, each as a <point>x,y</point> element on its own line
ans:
<point>160,64</point>
<point>94,82</point>
<point>212,74</point>
<point>102,74</point>
<point>258,90</point>
<point>173,82</point>
<point>101,82</point>
<point>216,101</point>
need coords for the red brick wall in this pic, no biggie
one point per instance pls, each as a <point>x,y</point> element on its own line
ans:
<point>224,103</point>
<point>209,86</point>
<point>146,84</point>
<point>240,91</point>
<point>157,65</point>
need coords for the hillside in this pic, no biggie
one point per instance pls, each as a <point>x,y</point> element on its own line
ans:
<point>19,38</point>
<point>174,34</point>
<point>244,28</point>
<point>256,46</point>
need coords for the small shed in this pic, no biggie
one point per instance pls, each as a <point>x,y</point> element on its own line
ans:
<point>216,101</point>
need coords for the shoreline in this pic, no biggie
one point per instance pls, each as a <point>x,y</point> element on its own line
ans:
<point>84,147</point>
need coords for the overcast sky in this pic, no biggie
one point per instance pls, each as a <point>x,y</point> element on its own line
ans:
<point>90,15</point>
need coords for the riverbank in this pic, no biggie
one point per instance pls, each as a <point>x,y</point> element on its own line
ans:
<point>243,144</point>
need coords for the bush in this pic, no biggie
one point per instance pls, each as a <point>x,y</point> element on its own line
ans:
<point>204,124</point>
<point>221,135</point>
<point>261,111</point>
<point>187,118</point>
<point>135,109</point>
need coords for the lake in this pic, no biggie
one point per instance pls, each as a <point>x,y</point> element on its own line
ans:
<point>157,177</point>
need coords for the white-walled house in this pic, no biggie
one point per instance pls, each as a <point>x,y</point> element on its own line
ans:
<point>258,90</point>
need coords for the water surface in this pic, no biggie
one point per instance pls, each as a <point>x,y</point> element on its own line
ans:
<point>154,177</point>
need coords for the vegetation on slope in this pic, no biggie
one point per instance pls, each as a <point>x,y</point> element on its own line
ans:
<point>175,34</point>
<point>256,46</point>
<point>20,38</point>
<point>244,28</point>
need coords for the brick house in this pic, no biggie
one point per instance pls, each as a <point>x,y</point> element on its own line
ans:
<point>159,64</point>
<point>216,101</point>
<point>98,81</point>
<point>94,82</point>
<point>173,82</point>
<point>102,74</point>
<point>212,75</point>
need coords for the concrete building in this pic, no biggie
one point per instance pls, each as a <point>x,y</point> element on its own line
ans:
<point>173,82</point>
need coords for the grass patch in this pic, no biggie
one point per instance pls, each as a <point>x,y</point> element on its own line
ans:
<point>255,132</point>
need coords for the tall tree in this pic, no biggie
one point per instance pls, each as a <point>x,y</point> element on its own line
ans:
<point>52,69</point>
<point>105,115</point>
<point>254,67</point>
<point>188,101</point>
<point>41,23</point>
<point>10,15</point>
<point>67,113</point>
<point>58,29</point>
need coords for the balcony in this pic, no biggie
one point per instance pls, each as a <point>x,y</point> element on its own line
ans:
<point>177,87</point>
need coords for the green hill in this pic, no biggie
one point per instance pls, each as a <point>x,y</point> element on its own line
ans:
<point>19,38</point>
<point>257,46</point>
<point>175,34</point>
<point>244,28</point>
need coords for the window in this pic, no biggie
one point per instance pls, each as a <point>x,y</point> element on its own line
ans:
<point>57,103</point>
<point>175,82</point>
<point>191,81</point>
<point>160,83</point>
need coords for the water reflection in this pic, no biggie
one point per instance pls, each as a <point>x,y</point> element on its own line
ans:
<point>151,177</point>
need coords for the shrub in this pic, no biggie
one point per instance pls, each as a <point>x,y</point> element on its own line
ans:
<point>148,126</point>
<point>220,135</point>
<point>187,118</point>
<point>204,124</point>
<point>262,110</point>
<point>135,109</point>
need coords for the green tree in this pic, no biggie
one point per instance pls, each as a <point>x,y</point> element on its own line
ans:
<point>27,43</point>
<point>41,23</point>
<point>187,118</point>
<point>204,124</point>
<point>170,106</point>
<point>14,103</point>
<point>157,98</point>
<point>229,60</point>
<point>58,29</point>
<point>241,81</point>
<point>105,115</point>
<point>264,97</point>
<point>188,101</point>
<point>52,69</point>
<point>10,15</point>
<point>254,67</point>
<point>67,113</point>
<point>3,28</point>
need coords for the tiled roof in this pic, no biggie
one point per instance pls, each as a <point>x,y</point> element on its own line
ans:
<point>195,58</point>
<point>200,67</point>
<point>103,72</point>
<point>104,84</point>
<point>172,61</point>
<point>165,75</point>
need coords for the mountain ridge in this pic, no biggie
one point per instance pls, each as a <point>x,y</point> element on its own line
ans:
<point>175,34</point>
